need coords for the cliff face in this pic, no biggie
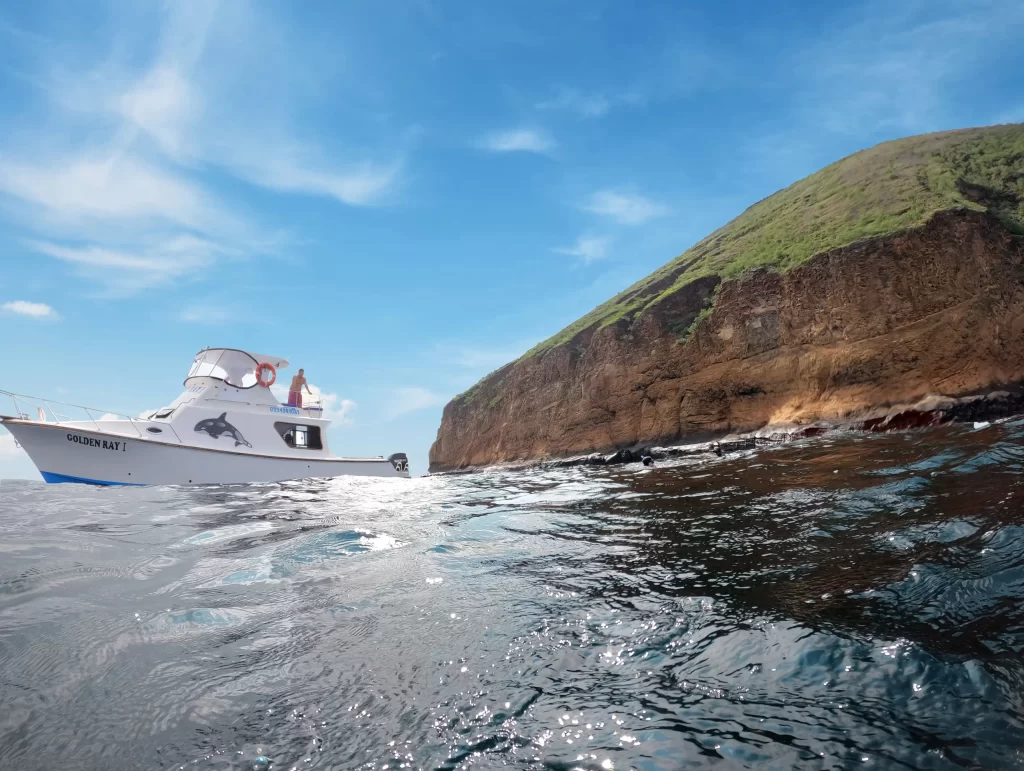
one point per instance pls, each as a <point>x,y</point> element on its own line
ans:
<point>936,309</point>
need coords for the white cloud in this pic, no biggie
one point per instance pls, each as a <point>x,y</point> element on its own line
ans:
<point>360,186</point>
<point>164,104</point>
<point>411,399</point>
<point>126,224</point>
<point>8,447</point>
<point>203,100</point>
<point>625,208</point>
<point>518,140</point>
<point>124,181</point>
<point>108,187</point>
<point>588,248</point>
<point>336,409</point>
<point>125,272</point>
<point>30,309</point>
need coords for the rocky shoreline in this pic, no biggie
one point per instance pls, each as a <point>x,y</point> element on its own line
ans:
<point>934,314</point>
<point>931,412</point>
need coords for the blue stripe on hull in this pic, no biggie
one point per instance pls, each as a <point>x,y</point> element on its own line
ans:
<point>56,479</point>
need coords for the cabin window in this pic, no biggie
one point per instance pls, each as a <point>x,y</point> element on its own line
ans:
<point>300,437</point>
<point>164,413</point>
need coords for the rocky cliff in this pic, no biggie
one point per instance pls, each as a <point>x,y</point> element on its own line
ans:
<point>933,308</point>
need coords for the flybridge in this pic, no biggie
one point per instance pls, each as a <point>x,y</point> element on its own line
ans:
<point>226,427</point>
<point>233,366</point>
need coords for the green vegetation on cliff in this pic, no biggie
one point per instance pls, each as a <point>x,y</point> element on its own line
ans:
<point>890,187</point>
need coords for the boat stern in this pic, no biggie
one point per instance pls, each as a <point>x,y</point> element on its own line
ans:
<point>400,462</point>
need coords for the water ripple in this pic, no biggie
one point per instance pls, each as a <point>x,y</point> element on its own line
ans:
<point>851,601</point>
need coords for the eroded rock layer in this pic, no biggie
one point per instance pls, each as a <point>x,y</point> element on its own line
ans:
<point>933,311</point>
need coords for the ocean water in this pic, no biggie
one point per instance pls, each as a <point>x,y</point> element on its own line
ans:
<point>846,602</point>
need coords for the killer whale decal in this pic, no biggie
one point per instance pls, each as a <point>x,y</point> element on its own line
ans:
<point>217,426</point>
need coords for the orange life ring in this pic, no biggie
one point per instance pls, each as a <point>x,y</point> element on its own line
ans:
<point>264,367</point>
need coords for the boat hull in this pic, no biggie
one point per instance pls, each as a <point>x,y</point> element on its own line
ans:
<point>64,454</point>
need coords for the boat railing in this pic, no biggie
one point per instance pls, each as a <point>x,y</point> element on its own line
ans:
<point>310,402</point>
<point>43,407</point>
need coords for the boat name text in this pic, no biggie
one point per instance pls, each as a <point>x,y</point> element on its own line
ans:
<point>103,444</point>
<point>286,410</point>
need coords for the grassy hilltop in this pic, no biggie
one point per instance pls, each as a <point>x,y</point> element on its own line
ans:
<point>890,187</point>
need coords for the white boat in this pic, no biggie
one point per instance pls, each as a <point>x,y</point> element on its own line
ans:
<point>226,427</point>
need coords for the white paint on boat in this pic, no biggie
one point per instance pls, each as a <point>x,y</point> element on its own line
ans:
<point>226,427</point>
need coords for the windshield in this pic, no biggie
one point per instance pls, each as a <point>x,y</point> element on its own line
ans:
<point>235,368</point>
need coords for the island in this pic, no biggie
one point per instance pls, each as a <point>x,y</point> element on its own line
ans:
<point>889,281</point>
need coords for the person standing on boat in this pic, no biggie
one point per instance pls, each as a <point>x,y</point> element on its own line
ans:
<point>295,389</point>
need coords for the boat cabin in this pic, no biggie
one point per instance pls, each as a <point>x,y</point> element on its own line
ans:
<point>231,393</point>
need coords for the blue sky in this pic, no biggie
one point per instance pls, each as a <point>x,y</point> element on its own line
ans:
<point>402,196</point>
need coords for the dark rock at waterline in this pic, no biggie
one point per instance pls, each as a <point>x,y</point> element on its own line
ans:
<point>812,431</point>
<point>993,406</point>
<point>622,456</point>
<point>636,455</point>
<point>748,443</point>
<point>968,409</point>
<point>658,453</point>
<point>974,408</point>
<point>565,462</point>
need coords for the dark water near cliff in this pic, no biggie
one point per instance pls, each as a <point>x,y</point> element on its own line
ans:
<point>846,602</point>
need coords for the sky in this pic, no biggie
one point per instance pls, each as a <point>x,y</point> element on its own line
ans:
<point>401,196</point>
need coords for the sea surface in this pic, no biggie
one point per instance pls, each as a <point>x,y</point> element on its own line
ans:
<point>851,601</point>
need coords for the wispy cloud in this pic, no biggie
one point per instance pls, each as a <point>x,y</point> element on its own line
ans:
<point>588,248</point>
<point>411,399</point>
<point>126,272</point>
<point>30,309</point>
<point>124,222</point>
<point>147,148</point>
<point>478,359</point>
<point>193,102</point>
<point>517,141</point>
<point>336,409</point>
<point>164,104</point>
<point>360,186</point>
<point>466,362</point>
<point>625,208</point>
<point>108,187</point>
<point>592,105</point>
<point>890,67</point>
